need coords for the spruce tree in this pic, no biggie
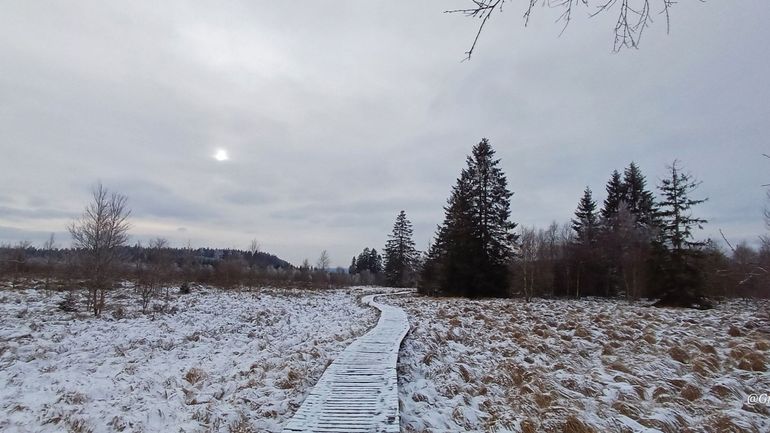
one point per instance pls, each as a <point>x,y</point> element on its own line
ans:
<point>587,261</point>
<point>586,224</point>
<point>677,255</point>
<point>615,195</point>
<point>375,262</point>
<point>400,254</point>
<point>474,246</point>
<point>640,201</point>
<point>677,221</point>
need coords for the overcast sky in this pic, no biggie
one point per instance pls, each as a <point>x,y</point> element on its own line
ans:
<point>336,115</point>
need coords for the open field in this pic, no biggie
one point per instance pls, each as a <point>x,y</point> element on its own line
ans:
<point>243,361</point>
<point>580,366</point>
<point>222,361</point>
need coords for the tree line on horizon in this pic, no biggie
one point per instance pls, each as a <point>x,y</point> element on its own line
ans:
<point>634,246</point>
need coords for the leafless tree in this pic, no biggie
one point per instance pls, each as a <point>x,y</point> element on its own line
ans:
<point>160,262</point>
<point>527,260</point>
<point>634,16</point>
<point>323,261</point>
<point>254,247</point>
<point>157,272</point>
<point>321,275</point>
<point>98,234</point>
<point>50,260</point>
<point>18,261</point>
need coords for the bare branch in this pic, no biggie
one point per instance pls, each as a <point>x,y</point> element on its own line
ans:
<point>634,16</point>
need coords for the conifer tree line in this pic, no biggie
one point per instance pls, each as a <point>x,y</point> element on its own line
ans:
<point>631,246</point>
<point>368,261</point>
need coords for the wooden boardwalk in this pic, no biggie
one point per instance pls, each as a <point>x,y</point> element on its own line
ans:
<point>358,392</point>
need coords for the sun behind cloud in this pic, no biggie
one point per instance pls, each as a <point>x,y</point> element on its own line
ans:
<point>221,155</point>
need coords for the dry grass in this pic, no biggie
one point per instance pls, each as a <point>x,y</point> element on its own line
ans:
<point>753,361</point>
<point>679,354</point>
<point>575,425</point>
<point>195,375</point>
<point>528,426</point>
<point>724,424</point>
<point>619,366</point>
<point>241,426</point>
<point>529,366</point>
<point>690,392</point>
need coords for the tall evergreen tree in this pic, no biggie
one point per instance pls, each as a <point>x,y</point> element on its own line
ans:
<point>677,222</point>
<point>400,254</point>
<point>375,262</point>
<point>640,201</point>
<point>615,195</point>
<point>677,254</point>
<point>583,250</point>
<point>586,224</point>
<point>474,246</point>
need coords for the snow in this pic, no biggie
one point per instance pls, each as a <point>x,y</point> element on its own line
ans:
<point>512,366</point>
<point>215,361</point>
<point>244,361</point>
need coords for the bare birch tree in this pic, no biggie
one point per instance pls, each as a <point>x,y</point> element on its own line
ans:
<point>98,234</point>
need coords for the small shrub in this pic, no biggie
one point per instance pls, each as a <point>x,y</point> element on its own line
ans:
<point>734,331</point>
<point>184,289</point>
<point>70,303</point>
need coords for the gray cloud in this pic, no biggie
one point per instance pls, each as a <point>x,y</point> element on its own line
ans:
<point>337,119</point>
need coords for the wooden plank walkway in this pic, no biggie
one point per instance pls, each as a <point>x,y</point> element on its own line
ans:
<point>358,392</point>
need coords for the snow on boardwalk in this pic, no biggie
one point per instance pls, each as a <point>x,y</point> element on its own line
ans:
<point>358,393</point>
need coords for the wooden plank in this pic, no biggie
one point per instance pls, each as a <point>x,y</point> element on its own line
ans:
<point>358,392</point>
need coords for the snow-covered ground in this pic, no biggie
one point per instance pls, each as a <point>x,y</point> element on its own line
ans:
<point>222,361</point>
<point>582,366</point>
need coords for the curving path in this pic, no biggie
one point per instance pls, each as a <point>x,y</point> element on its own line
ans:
<point>358,392</point>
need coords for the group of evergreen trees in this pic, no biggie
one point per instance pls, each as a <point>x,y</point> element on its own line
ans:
<point>401,259</point>
<point>634,245</point>
<point>368,261</point>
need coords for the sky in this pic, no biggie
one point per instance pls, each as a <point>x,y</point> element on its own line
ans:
<point>336,116</point>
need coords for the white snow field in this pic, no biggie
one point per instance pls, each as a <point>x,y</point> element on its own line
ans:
<point>220,361</point>
<point>582,366</point>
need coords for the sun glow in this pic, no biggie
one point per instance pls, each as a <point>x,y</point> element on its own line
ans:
<point>221,155</point>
